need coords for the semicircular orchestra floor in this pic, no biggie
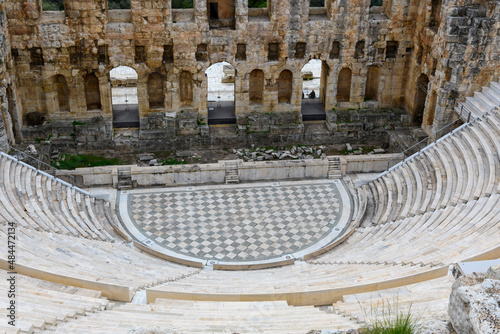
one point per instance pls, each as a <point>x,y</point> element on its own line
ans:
<point>238,223</point>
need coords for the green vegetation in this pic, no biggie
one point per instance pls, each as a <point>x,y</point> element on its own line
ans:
<point>52,5</point>
<point>374,3</point>
<point>84,160</point>
<point>173,161</point>
<point>257,3</point>
<point>317,3</point>
<point>182,4</point>
<point>118,4</point>
<point>391,320</point>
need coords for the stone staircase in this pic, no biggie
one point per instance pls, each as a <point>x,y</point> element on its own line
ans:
<point>481,103</point>
<point>232,176</point>
<point>124,178</point>
<point>334,168</point>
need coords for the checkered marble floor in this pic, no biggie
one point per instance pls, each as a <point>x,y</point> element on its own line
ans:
<point>237,224</point>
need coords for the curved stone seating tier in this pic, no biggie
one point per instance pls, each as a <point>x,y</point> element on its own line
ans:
<point>482,102</point>
<point>426,301</point>
<point>35,200</point>
<point>300,284</point>
<point>435,238</point>
<point>40,304</point>
<point>208,317</point>
<point>114,269</point>
<point>459,168</point>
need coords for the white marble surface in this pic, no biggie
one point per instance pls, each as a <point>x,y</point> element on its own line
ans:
<point>124,95</point>
<point>123,73</point>
<point>313,66</point>
<point>216,88</point>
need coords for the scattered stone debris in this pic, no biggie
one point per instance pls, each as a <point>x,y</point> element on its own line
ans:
<point>294,153</point>
<point>31,150</point>
<point>146,157</point>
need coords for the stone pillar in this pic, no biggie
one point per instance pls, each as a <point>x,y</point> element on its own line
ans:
<point>105,90</point>
<point>4,145</point>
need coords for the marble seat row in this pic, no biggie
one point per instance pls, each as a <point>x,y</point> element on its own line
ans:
<point>299,284</point>
<point>115,269</point>
<point>460,168</point>
<point>424,301</point>
<point>34,200</point>
<point>435,238</point>
<point>40,304</point>
<point>482,102</point>
<point>208,317</point>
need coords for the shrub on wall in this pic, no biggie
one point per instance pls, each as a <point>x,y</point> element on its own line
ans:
<point>118,4</point>
<point>52,5</point>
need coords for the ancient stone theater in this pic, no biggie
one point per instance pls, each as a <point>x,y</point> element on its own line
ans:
<point>287,166</point>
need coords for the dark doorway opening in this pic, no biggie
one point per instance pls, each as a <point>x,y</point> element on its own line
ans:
<point>214,11</point>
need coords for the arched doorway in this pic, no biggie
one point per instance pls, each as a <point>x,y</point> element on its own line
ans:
<point>285,86</point>
<point>256,87</point>
<point>314,81</point>
<point>420,99</point>
<point>344,85</point>
<point>61,87</point>
<point>124,97</point>
<point>156,92</point>
<point>220,93</point>
<point>92,93</point>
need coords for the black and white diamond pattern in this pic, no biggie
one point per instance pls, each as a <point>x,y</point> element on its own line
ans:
<point>237,224</point>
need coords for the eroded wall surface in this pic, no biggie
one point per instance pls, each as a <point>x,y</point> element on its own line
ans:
<point>421,55</point>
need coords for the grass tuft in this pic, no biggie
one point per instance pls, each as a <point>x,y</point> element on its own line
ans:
<point>390,319</point>
<point>84,160</point>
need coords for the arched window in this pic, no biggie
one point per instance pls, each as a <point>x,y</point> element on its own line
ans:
<point>186,88</point>
<point>256,86</point>
<point>344,85</point>
<point>155,91</point>
<point>285,86</point>
<point>92,93</point>
<point>372,82</point>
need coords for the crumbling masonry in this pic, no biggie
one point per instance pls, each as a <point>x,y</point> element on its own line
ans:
<point>422,55</point>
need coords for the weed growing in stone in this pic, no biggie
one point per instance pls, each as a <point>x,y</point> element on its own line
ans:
<point>390,319</point>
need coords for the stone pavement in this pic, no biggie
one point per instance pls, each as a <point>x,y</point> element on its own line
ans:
<point>237,223</point>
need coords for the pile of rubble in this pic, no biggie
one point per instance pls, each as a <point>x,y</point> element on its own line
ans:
<point>359,150</point>
<point>296,152</point>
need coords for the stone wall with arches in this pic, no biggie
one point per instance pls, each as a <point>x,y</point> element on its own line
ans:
<point>371,57</point>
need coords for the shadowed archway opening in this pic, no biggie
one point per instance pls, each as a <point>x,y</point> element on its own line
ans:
<point>92,92</point>
<point>59,86</point>
<point>156,92</point>
<point>285,86</point>
<point>256,87</point>
<point>314,81</point>
<point>124,97</point>
<point>420,99</point>
<point>220,93</point>
<point>344,85</point>
<point>372,84</point>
